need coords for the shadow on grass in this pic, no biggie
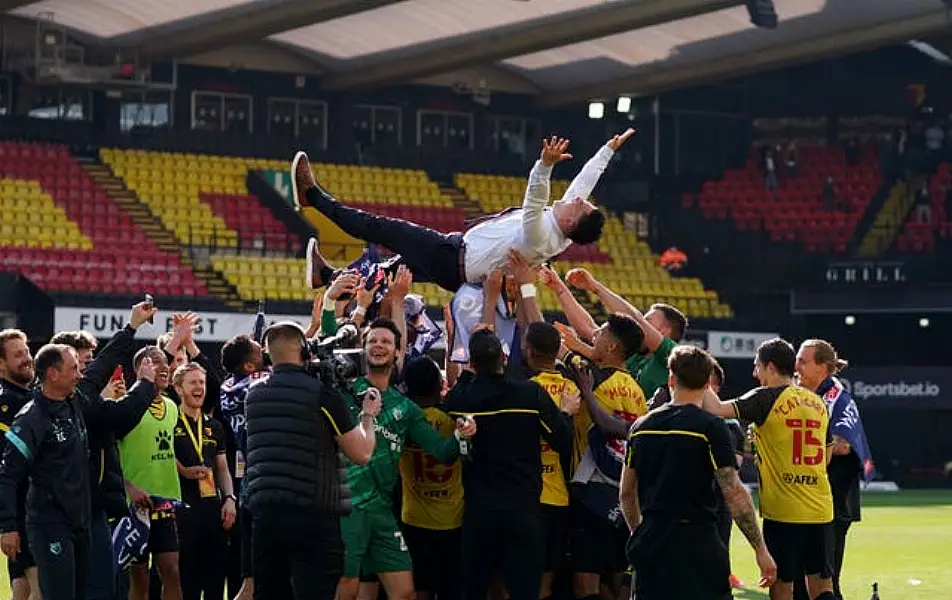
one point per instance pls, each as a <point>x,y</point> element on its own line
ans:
<point>750,595</point>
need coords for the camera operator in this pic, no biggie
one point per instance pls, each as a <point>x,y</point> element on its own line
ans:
<point>502,523</point>
<point>16,378</point>
<point>373,542</point>
<point>296,425</point>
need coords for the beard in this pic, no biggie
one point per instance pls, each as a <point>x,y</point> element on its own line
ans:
<point>21,377</point>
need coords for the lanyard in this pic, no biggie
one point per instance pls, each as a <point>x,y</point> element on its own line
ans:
<point>196,441</point>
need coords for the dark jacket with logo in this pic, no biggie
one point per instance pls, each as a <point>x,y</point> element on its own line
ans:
<point>107,420</point>
<point>293,460</point>
<point>12,399</point>
<point>47,442</point>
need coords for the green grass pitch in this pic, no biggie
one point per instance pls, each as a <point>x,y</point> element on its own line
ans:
<point>904,542</point>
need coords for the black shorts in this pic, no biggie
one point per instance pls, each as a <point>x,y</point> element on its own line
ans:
<point>800,548</point>
<point>596,545</point>
<point>436,556</point>
<point>659,552</point>
<point>163,538</point>
<point>555,532</point>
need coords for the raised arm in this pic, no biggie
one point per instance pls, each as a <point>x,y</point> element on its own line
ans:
<point>586,180</point>
<point>614,303</point>
<point>537,191</point>
<point>577,316</point>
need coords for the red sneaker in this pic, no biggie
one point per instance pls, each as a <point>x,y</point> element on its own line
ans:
<point>736,583</point>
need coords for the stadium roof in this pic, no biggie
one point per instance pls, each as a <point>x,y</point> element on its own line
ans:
<point>570,50</point>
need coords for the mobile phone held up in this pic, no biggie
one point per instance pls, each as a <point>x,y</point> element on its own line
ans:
<point>116,374</point>
<point>149,304</point>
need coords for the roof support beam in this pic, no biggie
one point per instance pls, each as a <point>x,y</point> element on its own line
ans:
<point>240,24</point>
<point>665,79</point>
<point>490,45</point>
<point>7,5</point>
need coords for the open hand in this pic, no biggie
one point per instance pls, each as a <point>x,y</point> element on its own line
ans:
<point>344,284</point>
<point>364,296</point>
<point>554,151</point>
<point>550,279</point>
<point>571,401</point>
<point>399,284</point>
<point>616,141</point>
<point>581,279</point>
<point>519,268</point>
<point>146,370</point>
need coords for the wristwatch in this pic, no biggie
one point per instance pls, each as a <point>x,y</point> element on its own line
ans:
<point>232,497</point>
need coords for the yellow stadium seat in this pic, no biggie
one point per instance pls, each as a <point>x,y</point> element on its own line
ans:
<point>45,225</point>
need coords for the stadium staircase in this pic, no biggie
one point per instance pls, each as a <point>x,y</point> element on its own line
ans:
<point>888,222</point>
<point>620,260</point>
<point>921,237</point>
<point>471,208</point>
<point>868,219</point>
<point>62,230</point>
<point>153,227</point>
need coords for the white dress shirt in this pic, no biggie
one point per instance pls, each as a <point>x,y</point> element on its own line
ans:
<point>532,230</point>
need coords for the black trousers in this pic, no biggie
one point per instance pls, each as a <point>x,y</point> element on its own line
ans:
<point>432,256</point>
<point>62,557</point>
<point>510,541</point>
<point>203,545</point>
<point>840,529</point>
<point>239,552</point>
<point>296,554</point>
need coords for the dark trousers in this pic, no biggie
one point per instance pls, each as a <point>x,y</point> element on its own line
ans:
<point>510,541</point>
<point>297,554</point>
<point>101,574</point>
<point>432,256</point>
<point>62,557</point>
<point>203,545</point>
<point>840,529</point>
<point>239,552</point>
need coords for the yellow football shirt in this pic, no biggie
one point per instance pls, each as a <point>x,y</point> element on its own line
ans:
<point>432,491</point>
<point>618,393</point>
<point>792,439</point>
<point>554,490</point>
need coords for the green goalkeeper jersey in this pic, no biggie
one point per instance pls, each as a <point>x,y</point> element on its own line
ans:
<point>400,421</point>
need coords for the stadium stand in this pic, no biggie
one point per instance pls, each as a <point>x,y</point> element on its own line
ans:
<point>170,185</point>
<point>919,233</point>
<point>65,234</point>
<point>620,260</point>
<point>795,211</point>
<point>402,193</point>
